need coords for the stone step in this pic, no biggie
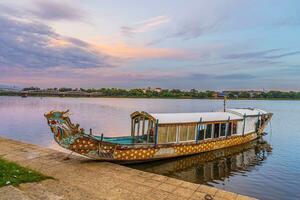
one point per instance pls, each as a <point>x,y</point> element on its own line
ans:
<point>55,190</point>
<point>11,192</point>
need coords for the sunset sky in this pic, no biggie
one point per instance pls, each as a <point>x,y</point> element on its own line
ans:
<point>216,44</point>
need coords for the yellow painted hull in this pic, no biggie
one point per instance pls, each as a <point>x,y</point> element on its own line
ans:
<point>95,149</point>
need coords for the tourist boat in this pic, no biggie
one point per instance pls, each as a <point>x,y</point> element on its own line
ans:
<point>162,135</point>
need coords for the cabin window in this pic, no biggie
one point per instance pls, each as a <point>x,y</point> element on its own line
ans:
<point>183,133</point>
<point>234,128</point>
<point>216,130</point>
<point>201,133</point>
<point>172,134</point>
<point>187,133</point>
<point>229,129</point>
<point>150,132</point>
<point>191,132</point>
<point>223,130</point>
<point>162,134</point>
<point>208,132</point>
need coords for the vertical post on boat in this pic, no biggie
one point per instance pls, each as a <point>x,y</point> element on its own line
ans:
<point>138,129</point>
<point>149,129</point>
<point>91,131</point>
<point>132,127</point>
<point>244,123</point>
<point>199,130</point>
<point>143,128</point>
<point>258,122</point>
<point>227,126</point>
<point>156,133</point>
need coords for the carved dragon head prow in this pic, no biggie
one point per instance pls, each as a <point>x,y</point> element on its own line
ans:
<point>65,132</point>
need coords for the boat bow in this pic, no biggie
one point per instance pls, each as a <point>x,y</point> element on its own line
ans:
<point>72,137</point>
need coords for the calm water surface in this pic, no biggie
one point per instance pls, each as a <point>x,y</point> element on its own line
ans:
<point>253,169</point>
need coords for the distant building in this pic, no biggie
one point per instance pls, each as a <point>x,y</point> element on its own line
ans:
<point>218,95</point>
<point>152,90</point>
<point>158,90</point>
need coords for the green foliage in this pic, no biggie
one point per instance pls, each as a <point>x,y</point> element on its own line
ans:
<point>152,93</point>
<point>13,174</point>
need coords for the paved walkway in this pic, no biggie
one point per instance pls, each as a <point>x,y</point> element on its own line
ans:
<point>80,178</point>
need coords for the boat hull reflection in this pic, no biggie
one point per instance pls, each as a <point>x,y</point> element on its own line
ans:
<point>211,166</point>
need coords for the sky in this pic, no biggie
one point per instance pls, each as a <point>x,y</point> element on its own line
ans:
<point>206,45</point>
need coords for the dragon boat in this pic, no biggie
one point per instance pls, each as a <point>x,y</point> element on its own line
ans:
<point>162,135</point>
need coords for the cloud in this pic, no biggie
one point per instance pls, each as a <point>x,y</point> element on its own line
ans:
<point>187,30</point>
<point>32,44</point>
<point>250,55</point>
<point>284,55</point>
<point>144,26</point>
<point>56,10</point>
<point>235,76</point>
<point>194,29</point>
<point>288,22</point>
<point>262,57</point>
<point>124,51</point>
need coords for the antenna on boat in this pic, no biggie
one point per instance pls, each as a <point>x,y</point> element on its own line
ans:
<point>224,103</point>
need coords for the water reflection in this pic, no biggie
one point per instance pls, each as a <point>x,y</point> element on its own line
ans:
<point>209,167</point>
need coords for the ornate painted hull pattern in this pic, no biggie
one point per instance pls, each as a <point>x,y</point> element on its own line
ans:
<point>72,138</point>
<point>88,147</point>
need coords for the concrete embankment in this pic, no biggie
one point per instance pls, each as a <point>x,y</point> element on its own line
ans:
<point>78,178</point>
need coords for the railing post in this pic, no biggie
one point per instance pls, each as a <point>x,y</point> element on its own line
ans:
<point>198,132</point>
<point>156,133</point>
<point>258,122</point>
<point>244,118</point>
<point>227,127</point>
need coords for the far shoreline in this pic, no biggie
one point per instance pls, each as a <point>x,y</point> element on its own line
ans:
<point>141,97</point>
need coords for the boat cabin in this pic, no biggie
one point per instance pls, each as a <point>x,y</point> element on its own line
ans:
<point>166,128</point>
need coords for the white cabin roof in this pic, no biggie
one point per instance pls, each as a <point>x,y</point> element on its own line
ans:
<point>168,118</point>
<point>246,111</point>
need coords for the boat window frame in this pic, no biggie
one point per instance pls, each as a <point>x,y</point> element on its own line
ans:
<point>187,136</point>
<point>144,135</point>
<point>229,129</point>
<point>168,134</point>
<point>211,132</point>
<point>219,123</point>
<point>220,131</point>
<point>200,128</point>
<point>236,128</point>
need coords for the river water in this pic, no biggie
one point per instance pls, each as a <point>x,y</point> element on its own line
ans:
<point>268,169</point>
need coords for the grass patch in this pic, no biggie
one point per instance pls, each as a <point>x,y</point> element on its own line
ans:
<point>13,174</point>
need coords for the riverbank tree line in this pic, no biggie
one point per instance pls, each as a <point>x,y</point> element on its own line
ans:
<point>152,93</point>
